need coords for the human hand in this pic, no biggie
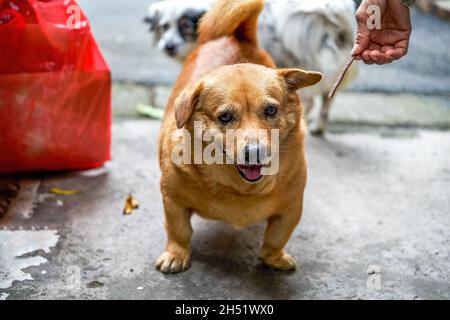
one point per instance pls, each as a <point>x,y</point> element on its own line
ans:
<point>389,43</point>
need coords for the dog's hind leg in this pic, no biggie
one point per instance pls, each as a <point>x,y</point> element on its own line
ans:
<point>176,258</point>
<point>320,128</point>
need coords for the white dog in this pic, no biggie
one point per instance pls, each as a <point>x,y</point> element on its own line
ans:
<point>308,34</point>
<point>173,24</point>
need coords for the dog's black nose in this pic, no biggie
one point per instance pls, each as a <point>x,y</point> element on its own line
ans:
<point>252,154</point>
<point>171,49</point>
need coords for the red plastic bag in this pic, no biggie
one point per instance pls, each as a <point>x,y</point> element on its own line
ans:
<point>55,89</point>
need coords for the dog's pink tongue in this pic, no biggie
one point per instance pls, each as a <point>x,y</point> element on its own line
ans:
<point>252,172</point>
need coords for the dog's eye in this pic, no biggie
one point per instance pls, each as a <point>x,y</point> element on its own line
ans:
<point>165,26</point>
<point>271,110</point>
<point>186,27</point>
<point>226,117</point>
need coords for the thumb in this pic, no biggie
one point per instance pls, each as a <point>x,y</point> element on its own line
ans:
<point>362,39</point>
<point>362,42</point>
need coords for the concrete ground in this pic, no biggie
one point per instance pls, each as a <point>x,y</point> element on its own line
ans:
<point>377,206</point>
<point>375,225</point>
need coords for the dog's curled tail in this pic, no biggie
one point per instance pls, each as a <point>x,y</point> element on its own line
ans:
<point>231,17</point>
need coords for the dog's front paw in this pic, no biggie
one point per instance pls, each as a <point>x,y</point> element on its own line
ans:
<point>170,262</point>
<point>281,262</point>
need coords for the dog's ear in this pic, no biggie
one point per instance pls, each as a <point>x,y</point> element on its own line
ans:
<point>186,102</point>
<point>151,22</point>
<point>152,17</point>
<point>189,22</point>
<point>297,78</point>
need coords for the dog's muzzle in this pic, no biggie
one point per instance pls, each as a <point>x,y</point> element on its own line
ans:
<point>251,170</point>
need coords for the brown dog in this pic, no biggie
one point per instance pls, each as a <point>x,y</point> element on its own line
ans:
<point>229,82</point>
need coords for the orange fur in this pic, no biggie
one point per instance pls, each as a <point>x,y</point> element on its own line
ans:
<point>238,18</point>
<point>230,69</point>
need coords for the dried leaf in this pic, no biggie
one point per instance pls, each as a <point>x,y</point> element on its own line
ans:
<point>94,284</point>
<point>341,77</point>
<point>64,192</point>
<point>131,204</point>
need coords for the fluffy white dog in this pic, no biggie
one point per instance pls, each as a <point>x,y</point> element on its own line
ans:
<point>308,34</point>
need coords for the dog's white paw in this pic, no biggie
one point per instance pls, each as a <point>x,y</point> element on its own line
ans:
<point>170,262</point>
<point>284,262</point>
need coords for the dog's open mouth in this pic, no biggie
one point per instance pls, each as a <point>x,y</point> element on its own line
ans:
<point>250,173</point>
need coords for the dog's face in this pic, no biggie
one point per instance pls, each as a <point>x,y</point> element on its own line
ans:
<point>174,26</point>
<point>246,100</point>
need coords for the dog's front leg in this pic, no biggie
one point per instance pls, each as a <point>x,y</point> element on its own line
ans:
<point>279,230</point>
<point>176,258</point>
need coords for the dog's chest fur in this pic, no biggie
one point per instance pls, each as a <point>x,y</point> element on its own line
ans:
<point>240,210</point>
<point>240,205</point>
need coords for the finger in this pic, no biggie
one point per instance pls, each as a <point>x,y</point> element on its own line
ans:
<point>380,57</point>
<point>375,46</point>
<point>362,42</point>
<point>367,60</point>
<point>393,36</point>
<point>392,53</point>
<point>366,55</point>
<point>384,60</point>
<point>386,48</point>
<point>362,33</point>
<point>375,55</point>
<point>374,52</point>
<point>396,53</point>
<point>359,47</point>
